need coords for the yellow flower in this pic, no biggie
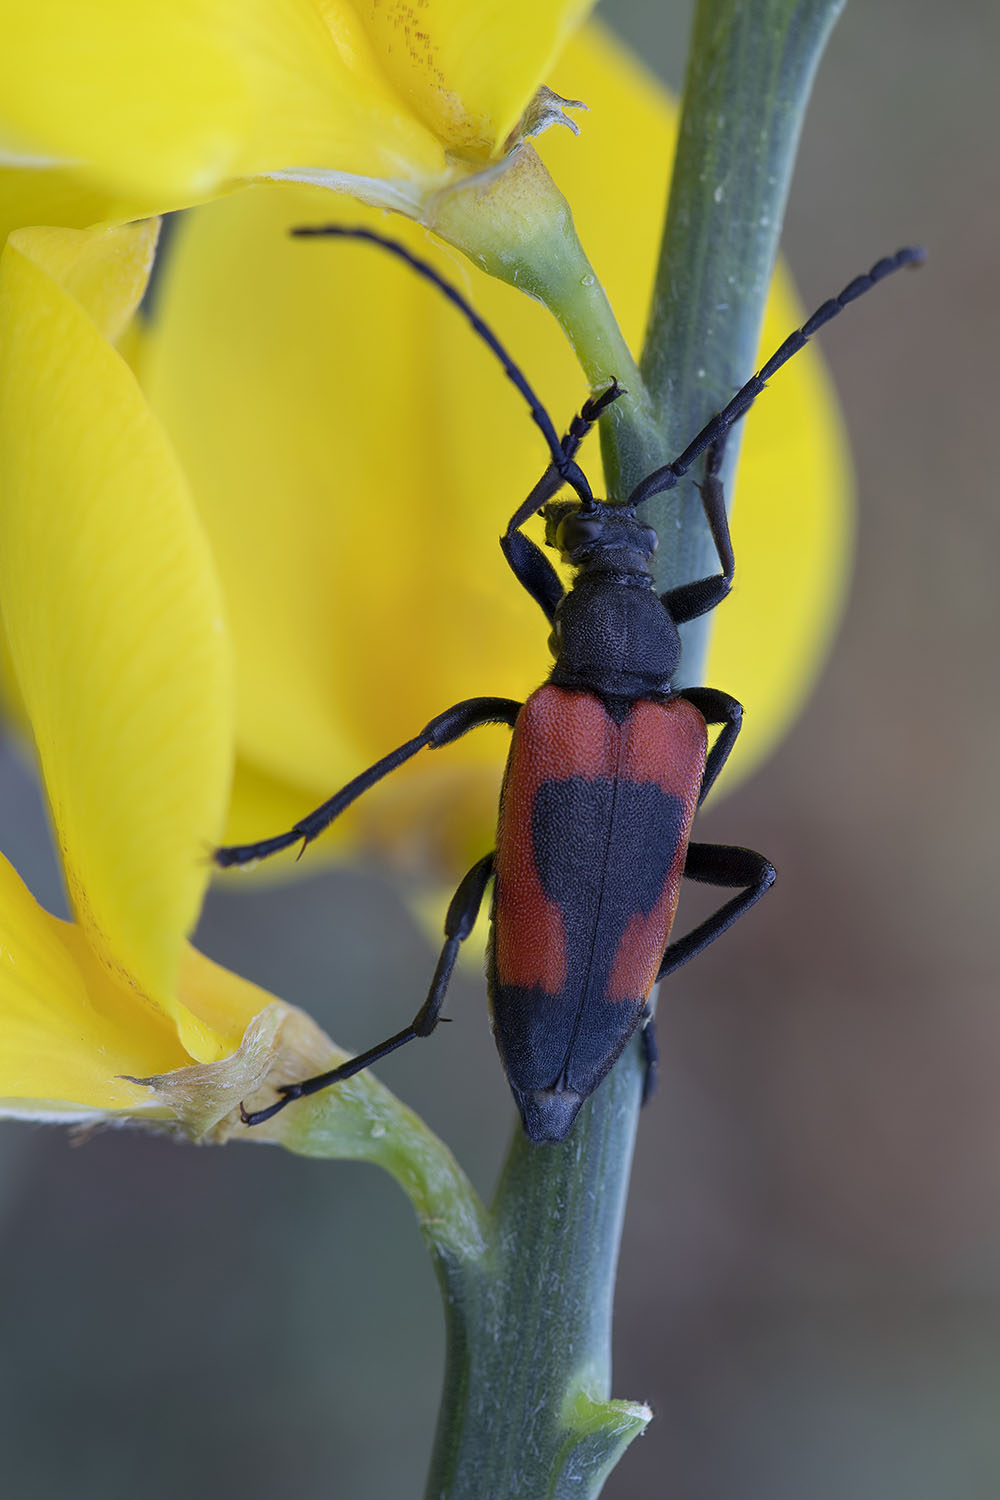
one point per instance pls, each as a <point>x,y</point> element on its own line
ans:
<point>299,498</point>
<point>114,621</point>
<point>111,110</point>
<point>118,643</point>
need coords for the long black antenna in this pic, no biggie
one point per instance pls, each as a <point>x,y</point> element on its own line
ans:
<point>571,472</point>
<point>667,477</point>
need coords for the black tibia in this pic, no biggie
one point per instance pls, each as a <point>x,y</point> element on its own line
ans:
<point>719,425</point>
<point>723,865</point>
<point>716,707</point>
<point>530,566</point>
<point>527,561</point>
<point>650,1054</point>
<point>450,725</point>
<point>458,923</point>
<point>690,600</point>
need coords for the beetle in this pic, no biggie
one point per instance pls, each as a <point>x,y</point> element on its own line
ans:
<point>607,767</point>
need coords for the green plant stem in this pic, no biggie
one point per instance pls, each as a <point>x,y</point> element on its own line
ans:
<point>517,226</point>
<point>749,77</point>
<point>525,1408</point>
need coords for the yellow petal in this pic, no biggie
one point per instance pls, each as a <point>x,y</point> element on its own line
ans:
<point>75,1038</point>
<point>106,274</point>
<point>469,71</point>
<point>53,195</point>
<point>69,1028</point>
<point>164,101</point>
<point>223,1002</point>
<point>112,612</point>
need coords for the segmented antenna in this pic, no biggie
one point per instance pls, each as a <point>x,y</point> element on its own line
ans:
<point>570,471</point>
<point>667,477</point>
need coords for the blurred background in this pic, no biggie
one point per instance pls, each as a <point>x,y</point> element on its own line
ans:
<point>809,1293</point>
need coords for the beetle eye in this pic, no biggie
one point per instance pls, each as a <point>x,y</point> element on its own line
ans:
<point>650,540</point>
<point>577,531</point>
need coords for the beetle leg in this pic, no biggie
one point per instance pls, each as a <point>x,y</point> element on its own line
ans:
<point>693,599</point>
<point>690,600</point>
<point>716,707</point>
<point>458,923</point>
<point>650,1053</point>
<point>528,562</point>
<point>448,726</point>
<point>723,865</point>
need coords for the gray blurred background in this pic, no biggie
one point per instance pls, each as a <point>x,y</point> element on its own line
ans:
<point>810,1281</point>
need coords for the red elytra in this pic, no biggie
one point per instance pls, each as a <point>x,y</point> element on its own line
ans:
<point>559,735</point>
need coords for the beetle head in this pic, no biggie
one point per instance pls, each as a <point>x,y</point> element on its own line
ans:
<point>599,534</point>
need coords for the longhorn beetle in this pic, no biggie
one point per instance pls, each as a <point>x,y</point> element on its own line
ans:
<point>607,766</point>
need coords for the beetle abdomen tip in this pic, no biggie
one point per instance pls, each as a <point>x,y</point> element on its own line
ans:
<point>548,1114</point>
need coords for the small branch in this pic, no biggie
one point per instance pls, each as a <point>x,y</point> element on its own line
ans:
<point>517,226</point>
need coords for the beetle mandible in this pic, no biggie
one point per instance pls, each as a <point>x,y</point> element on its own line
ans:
<point>607,766</point>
